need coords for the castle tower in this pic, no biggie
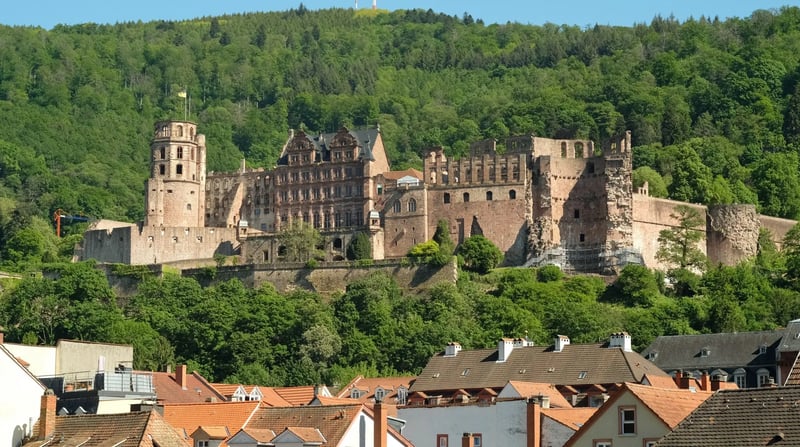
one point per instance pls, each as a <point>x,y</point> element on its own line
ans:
<point>175,191</point>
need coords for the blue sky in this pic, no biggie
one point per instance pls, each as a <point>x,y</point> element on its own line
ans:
<point>47,13</point>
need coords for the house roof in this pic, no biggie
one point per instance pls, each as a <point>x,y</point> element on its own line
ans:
<point>145,428</point>
<point>211,432</point>
<point>262,436</point>
<point>397,175</point>
<point>296,395</point>
<point>369,385</point>
<point>365,140</point>
<point>727,350</point>
<point>269,395</point>
<point>307,434</point>
<point>791,337</point>
<point>660,381</point>
<point>574,418</point>
<point>187,417</point>
<point>23,366</point>
<point>480,368</point>
<point>669,405</point>
<point>322,400</point>
<point>197,389</point>
<point>746,417</point>
<point>531,389</point>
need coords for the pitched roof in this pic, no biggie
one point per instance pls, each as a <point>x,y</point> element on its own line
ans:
<point>397,175</point>
<point>574,418</point>
<point>260,435</point>
<point>322,400</point>
<point>307,434</point>
<point>791,337</point>
<point>269,395</point>
<point>187,417</point>
<point>746,417</point>
<point>480,368</point>
<point>145,428</point>
<point>365,139</point>
<point>669,405</point>
<point>211,432</point>
<point>531,389</point>
<point>369,385</point>
<point>660,381</point>
<point>726,350</point>
<point>296,395</point>
<point>197,389</point>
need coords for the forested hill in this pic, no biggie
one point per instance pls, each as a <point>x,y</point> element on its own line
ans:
<point>713,105</point>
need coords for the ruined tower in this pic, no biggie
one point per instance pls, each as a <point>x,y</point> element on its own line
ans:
<point>175,191</point>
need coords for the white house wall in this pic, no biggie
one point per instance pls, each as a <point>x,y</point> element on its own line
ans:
<point>500,424</point>
<point>648,426</point>
<point>19,402</point>
<point>41,359</point>
<point>361,434</point>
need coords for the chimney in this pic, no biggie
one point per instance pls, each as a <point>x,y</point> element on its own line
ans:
<point>47,415</point>
<point>560,342</point>
<point>504,348</point>
<point>180,376</point>
<point>534,423</point>
<point>1,337</point>
<point>452,349</point>
<point>678,378</point>
<point>704,382</point>
<point>381,424</point>
<point>620,340</point>
<point>467,440</point>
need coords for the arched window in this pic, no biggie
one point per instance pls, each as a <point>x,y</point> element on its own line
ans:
<point>397,207</point>
<point>180,131</point>
<point>412,205</point>
<point>466,197</point>
<point>578,150</point>
<point>402,396</point>
<point>447,197</point>
<point>512,194</point>
<point>739,377</point>
<point>189,206</point>
<point>488,196</point>
<point>380,393</point>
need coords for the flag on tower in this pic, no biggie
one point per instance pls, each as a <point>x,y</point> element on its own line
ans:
<point>182,94</point>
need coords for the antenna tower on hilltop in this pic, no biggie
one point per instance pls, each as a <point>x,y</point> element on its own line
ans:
<point>356,4</point>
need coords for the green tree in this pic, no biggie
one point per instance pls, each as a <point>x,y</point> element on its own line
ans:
<point>359,248</point>
<point>480,254</point>
<point>299,242</point>
<point>678,245</point>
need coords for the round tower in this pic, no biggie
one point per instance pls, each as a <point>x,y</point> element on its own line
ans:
<point>732,233</point>
<point>175,191</point>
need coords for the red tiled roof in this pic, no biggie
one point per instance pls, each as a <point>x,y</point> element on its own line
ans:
<point>670,405</point>
<point>323,400</point>
<point>369,385</point>
<point>333,421</point>
<point>397,175</point>
<point>226,389</point>
<point>296,395</point>
<point>307,434</point>
<point>188,417</point>
<point>660,381</point>
<point>574,418</point>
<point>260,435</point>
<point>136,429</point>
<point>197,389</point>
<point>531,389</point>
<point>212,432</point>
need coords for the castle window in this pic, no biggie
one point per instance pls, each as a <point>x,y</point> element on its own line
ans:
<point>582,237</point>
<point>512,194</point>
<point>590,167</point>
<point>397,207</point>
<point>489,196</point>
<point>180,152</point>
<point>317,220</point>
<point>337,243</point>
<point>180,131</point>
<point>305,217</point>
<point>578,150</point>
<point>412,205</point>
<point>282,251</point>
<point>189,206</point>
<point>162,169</point>
<point>179,169</point>
<point>163,152</point>
<point>577,214</point>
<point>447,197</point>
<point>191,133</point>
<point>563,150</point>
<point>515,172</point>
<point>326,221</point>
<point>466,197</point>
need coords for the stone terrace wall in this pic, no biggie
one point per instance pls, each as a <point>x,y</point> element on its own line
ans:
<point>650,216</point>
<point>329,278</point>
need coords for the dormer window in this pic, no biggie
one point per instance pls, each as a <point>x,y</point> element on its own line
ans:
<point>705,352</point>
<point>380,393</point>
<point>583,374</point>
<point>402,396</point>
<point>652,355</point>
<point>762,349</point>
<point>355,393</point>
